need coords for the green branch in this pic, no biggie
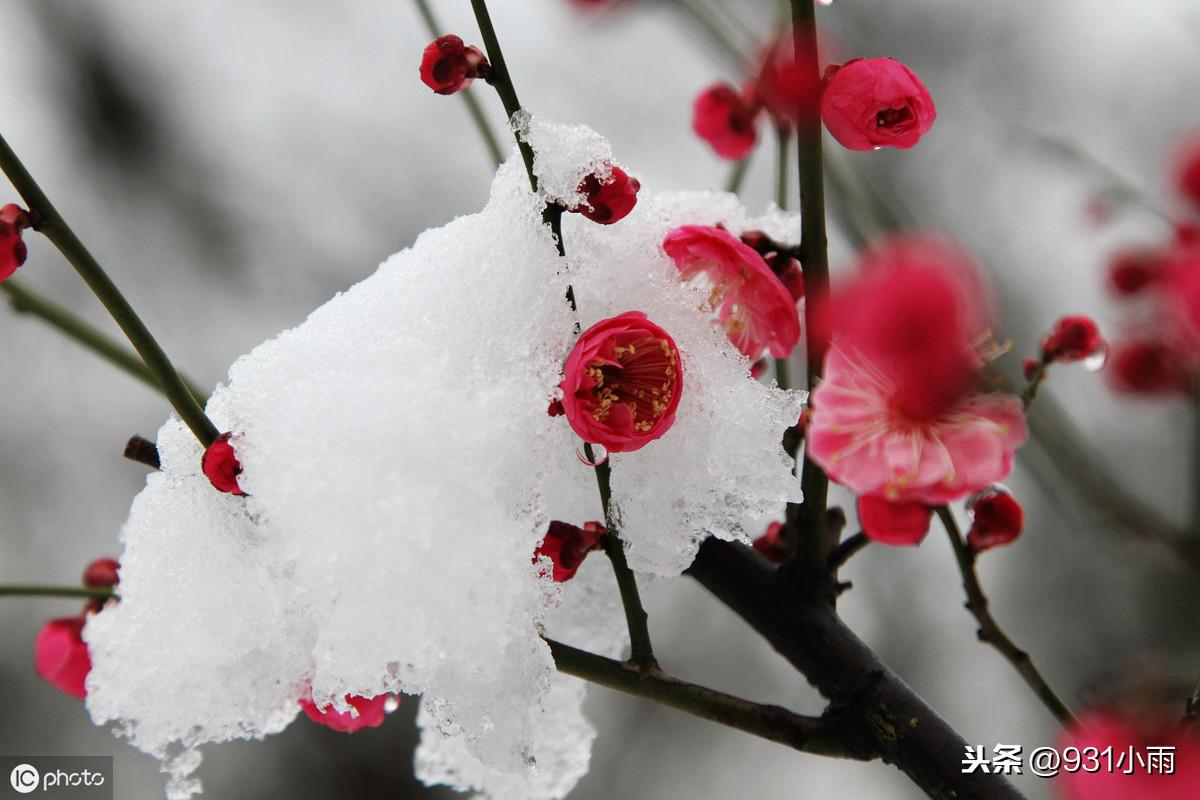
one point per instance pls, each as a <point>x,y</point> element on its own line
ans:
<point>47,221</point>
<point>56,591</point>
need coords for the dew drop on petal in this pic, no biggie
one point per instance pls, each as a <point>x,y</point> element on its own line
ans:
<point>1096,361</point>
<point>597,450</point>
<point>989,491</point>
<point>391,704</point>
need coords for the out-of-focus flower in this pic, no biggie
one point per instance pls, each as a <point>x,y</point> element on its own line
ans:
<point>567,546</point>
<point>220,465</point>
<point>1132,740</point>
<point>1133,269</point>
<point>449,66</point>
<point>371,712</point>
<point>772,544</point>
<point>870,103</point>
<point>752,303</point>
<point>1073,338</point>
<point>622,382</point>
<point>894,523</point>
<point>1146,367</point>
<point>611,200</point>
<point>1186,170</point>
<point>722,117</point>
<point>898,414</point>
<point>996,518</point>
<point>61,657</point>
<point>13,220</point>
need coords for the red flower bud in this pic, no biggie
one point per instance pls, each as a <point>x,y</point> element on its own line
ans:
<point>1146,367</point>
<point>758,368</point>
<point>60,656</point>
<point>567,546</point>
<point>621,383</point>
<point>102,573</point>
<point>1132,270</point>
<point>220,465</point>
<point>722,117</point>
<point>771,544</point>
<point>893,523</point>
<point>448,66</point>
<point>13,220</point>
<point>1029,366</point>
<point>610,201</point>
<point>1187,170</point>
<point>998,519</point>
<point>870,103</point>
<point>1073,338</point>
<point>371,712</point>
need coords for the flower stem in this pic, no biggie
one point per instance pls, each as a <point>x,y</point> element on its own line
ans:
<point>46,220</point>
<point>776,724</point>
<point>989,630</point>
<point>502,81</point>
<point>783,138</point>
<point>809,519</point>
<point>27,301</point>
<point>641,651</point>
<point>469,98</point>
<point>1029,393</point>
<point>56,591</point>
<point>737,175</point>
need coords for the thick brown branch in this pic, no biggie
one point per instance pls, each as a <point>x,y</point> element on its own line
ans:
<point>877,710</point>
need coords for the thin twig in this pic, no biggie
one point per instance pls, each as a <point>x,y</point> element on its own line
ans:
<point>737,175</point>
<point>27,301</point>
<point>469,99</point>
<point>845,550</point>
<point>47,221</point>
<point>809,519</point>
<point>143,451</point>
<point>807,734</point>
<point>56,591</point>
<point>783,138</point>
<point>1029,393</point>
<point>990,632</point>
<point>641,650</point>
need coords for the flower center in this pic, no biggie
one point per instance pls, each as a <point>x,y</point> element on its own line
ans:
<point>638,378</point>
<point>893,117</point>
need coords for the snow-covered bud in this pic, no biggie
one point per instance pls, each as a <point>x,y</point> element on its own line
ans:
<point>371,712</point>
<point>220,465</point>
<point>608,201</point>
<point>567,546</point>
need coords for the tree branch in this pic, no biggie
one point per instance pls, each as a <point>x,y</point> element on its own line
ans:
<point>990,632</point>
<point>56,591</point>
<point>808,734</point>
<point>878,711</point>
<point>846,550</point>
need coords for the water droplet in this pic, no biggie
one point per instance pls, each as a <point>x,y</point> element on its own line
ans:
<point>824,2</point>
<point>989,491</point>
<point>598,451</point>
<point>391,704</point>
<point>1096,361</point>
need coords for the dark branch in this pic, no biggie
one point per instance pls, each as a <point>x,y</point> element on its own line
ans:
<point>143,451</point>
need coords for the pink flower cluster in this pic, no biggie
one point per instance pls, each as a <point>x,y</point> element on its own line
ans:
<point>899,417</point>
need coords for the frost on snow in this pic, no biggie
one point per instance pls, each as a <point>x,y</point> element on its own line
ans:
<point>402,468</point>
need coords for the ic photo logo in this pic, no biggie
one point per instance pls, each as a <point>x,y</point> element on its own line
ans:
<point>24,778</point>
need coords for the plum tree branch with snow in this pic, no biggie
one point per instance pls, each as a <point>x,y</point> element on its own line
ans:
<point>645,340</point>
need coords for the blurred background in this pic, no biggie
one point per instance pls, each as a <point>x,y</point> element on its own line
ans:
<point>234,164</point>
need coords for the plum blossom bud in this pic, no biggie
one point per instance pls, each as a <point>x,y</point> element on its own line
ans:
<point>61,657</point>
<point>13,220</point>
<point>870,103</point>
<point>449,66</point>
<point>725,119</point>
<point>102,573</point>
<point>997,518</point>
<point>621,383</point>
<point>610,201</point>
<point>371,712</point>
<point>894,523</point>
<point>772,544</point>
<point>220,465</point>
<point>1132,270</point>
<point>567,546</point>
<point>1029,368</point>
<point>1073,338</point>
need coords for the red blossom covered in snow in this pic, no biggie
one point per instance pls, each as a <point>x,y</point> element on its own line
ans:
<point>13,220</point>
<point>725,119</point>
<point>997,518</point>
<point>567,546</point>
<point>449,66</point>
<point>899,415</point>
<point>1073,338</point>
<point>61,657</point>
<point>220,465</point>
<point>371,712</point>
<point>870,103</point>
<point>610,200</point>
<point>752,303</point>
<point>622,382</point>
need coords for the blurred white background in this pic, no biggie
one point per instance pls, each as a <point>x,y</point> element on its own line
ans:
<point>234,164</point>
